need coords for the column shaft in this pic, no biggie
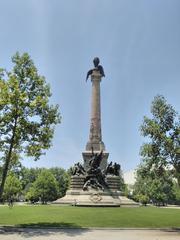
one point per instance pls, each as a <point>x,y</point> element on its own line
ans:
<point>95,137</point>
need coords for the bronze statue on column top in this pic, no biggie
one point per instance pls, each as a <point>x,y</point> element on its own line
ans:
<point>97,67</point>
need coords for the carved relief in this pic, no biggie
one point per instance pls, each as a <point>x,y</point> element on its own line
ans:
<point>95,130</point>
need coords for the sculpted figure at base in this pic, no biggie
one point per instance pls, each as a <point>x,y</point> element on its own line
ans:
<point>117,168</point>
<point>113,169</point>
<point>94,176</point>
<point>95,160</point>
<point>78,169</point>
<point>93,182</point>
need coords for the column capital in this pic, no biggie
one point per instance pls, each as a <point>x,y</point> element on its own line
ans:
<point>96,75</point>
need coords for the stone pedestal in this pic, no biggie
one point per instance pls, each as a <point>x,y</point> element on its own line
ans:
<point>89,198</point>
<point>113,183</point>
<point>77,182</point>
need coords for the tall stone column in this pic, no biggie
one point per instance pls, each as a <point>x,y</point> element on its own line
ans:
<point>95,135</point>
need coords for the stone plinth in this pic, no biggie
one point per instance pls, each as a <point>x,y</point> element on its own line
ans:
<point>96,145</point>
<point>89,198</point>
<point>77,182</point>
<point>95,198</point>
<point>113,183</point>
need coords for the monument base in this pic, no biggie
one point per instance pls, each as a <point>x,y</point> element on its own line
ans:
<point>93,198</point>
<point>89,198</point>
<point>110,197</point>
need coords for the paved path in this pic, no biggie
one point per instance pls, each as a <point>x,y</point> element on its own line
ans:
<point>88,234</point>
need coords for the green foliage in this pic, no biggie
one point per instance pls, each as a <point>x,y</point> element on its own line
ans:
<point>1,173</point>
<point>176,192</point>
<point>62,178</point>
<point>160,156</point>
<point>158,188</point>
<point>29,175</point>
<point>32,195</point>
<point>127,190</point>
<point>160,191</point>
<point>122,183</point>
<point>143,199</point>
<point>45,188</point>
<point>12,187</point>
<point>26,118</point>
<point>163,131</point>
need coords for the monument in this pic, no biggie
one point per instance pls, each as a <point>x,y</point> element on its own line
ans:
<point>95,182</point>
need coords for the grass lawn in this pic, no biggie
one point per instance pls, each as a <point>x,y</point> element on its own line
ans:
<point>67,216</point>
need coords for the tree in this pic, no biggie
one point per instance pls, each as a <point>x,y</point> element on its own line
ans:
<point>62,178</point>
<point>45,187</point>
<point>32,195</point>
<point>160,191</point>
<point>26,118</point>
<point>176,191</point>
<point>163,130</point>
<point>12,187</point>
<point>152,187</point>
<point>161,155</point>
<point>143,199</point>
<point>29,175</point>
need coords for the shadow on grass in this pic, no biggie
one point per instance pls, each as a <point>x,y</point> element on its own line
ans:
<point>43,229</point>
<point>48,225</point>
<point>173,229</point>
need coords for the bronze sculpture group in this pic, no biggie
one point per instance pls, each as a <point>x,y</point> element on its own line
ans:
<point>95,177</point>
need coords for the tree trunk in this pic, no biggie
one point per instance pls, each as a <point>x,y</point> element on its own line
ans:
<point>7,161</point>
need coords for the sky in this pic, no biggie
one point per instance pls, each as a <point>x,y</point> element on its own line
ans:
<point>138,43</point>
